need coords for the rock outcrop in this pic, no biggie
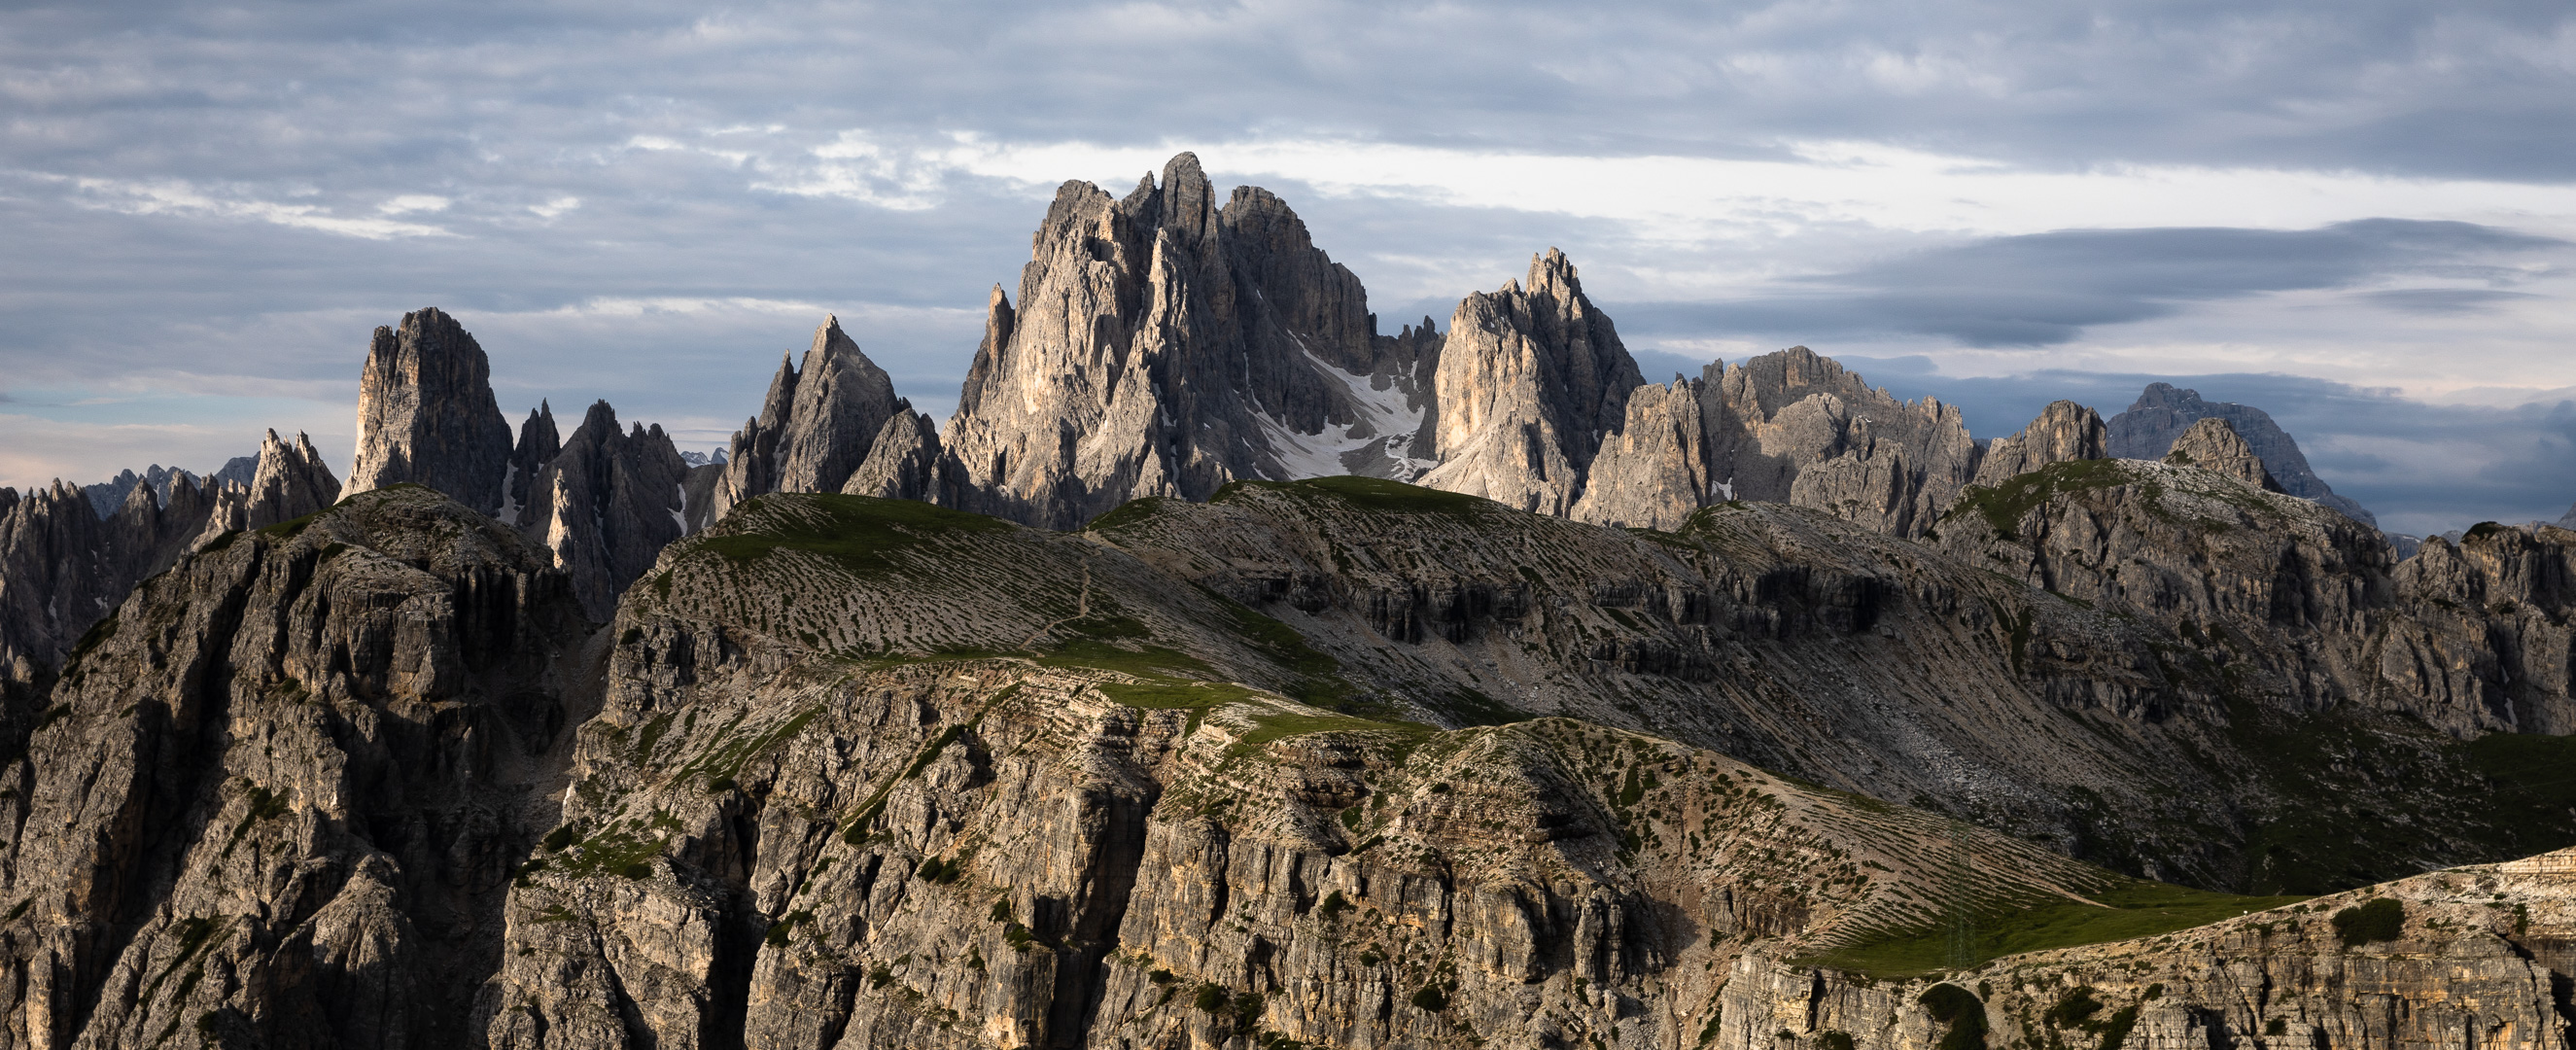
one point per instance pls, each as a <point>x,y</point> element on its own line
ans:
<point>539,443</point>
<point>1164,346</point>
<point>2212,444</point>
<point>606,505</point>
<point>2065,432</point>
<point>866,773</point>
<point>2163,412</point>
<point>816,426</point>
<point>426,414</point>
<point>1530,379</point>
<point>284,790</point>
<point>2466,957</point>
<point>290,482</point>
<point>62,567</point>
<point>904,462</point>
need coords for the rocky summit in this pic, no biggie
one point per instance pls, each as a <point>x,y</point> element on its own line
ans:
<point>1226,673</point>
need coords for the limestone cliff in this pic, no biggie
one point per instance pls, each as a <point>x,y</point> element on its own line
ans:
<point>2212,444</point>
<point>857,773</point>
<point>290,482</point>
<point>1164,345</point>
<point>2151,425</point>
<point>2065,432</point>
<point>426,414</point>
<point>606,504</point>
<point>1529,381</point>
<point>539,442</point>
<point>1786,427</point>
<point>816,426</point>
<point>62,567</point>
<point>282,791</point>
<point>904,462</point>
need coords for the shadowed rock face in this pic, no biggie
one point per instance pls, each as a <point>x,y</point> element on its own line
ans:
<point>606,504</point>
<point>539,441</point>
<point>2163,412</point>
<point>286,786</point>
<point>1529,381</point>
<point>62,568</point>
<point>426,414</point>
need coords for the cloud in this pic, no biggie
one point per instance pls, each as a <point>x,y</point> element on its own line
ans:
<point>650,201</point>
<point>2046,289</point>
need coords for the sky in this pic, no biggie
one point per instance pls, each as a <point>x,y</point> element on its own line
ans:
<point>2359,216</point>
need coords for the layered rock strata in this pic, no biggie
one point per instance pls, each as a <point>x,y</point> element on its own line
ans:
<point>606,504</point>
<point>2151,425</point>
<point>2476,956</point>
<point>426,414</point>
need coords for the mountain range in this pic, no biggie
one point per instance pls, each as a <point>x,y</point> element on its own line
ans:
<point>1227,672</point>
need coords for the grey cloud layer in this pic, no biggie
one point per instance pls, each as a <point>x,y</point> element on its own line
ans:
<point>222,200</point>
<point>2048,288</point>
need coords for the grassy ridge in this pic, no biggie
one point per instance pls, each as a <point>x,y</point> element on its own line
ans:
<point>2140,909</point>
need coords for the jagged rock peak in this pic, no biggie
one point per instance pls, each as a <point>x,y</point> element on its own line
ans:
<point>1795,426</point>
<point>426,413</point>
<point>2163,411</point>
<point>538,443</point>
<point>1164,345</point>
<point>815,425</point>
<point>1529,380</point>
<point>842,400</point>
<point>903,463</point>
<point>2064,432</point>
<point>606,505</point>
<point>290,482</point>
<point>2212,444</point>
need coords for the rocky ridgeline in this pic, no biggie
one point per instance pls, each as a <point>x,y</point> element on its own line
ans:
<point>567,743</point>
<point>2155,424</point>
<point>852,772</point>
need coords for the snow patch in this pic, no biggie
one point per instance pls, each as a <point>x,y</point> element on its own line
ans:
<point>1390,425</point>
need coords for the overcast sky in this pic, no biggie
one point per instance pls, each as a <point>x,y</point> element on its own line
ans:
<point>2359,215</point>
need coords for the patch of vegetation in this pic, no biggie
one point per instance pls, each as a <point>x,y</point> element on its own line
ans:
<point>2483,530</point>
<point>287,530</point>
<point>1469,707</point>
<point>2139,909</point>
<point>1128,513</point>
<point>860,534</point>
<point>2379,919</point>
<point>1211,998</point>
<point>1151,661</point>
<point>2004,505</point>
<point>1371,495</point>
<point>1431,998</point>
